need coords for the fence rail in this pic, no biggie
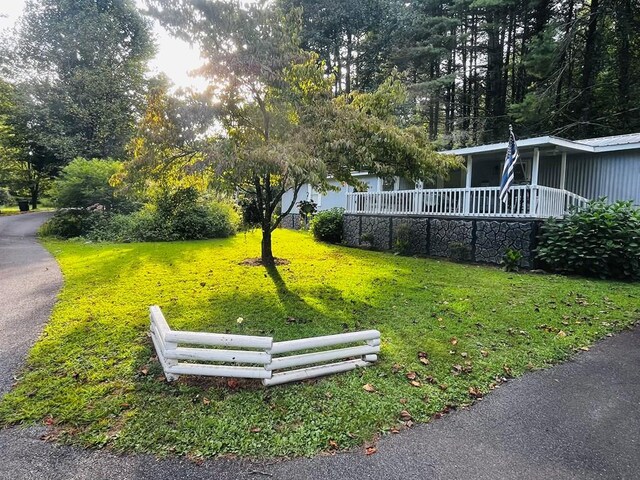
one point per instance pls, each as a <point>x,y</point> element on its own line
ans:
<point>523,201</point>
<point>260,353</point>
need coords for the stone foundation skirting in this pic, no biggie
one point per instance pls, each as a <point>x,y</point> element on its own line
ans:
<point>477,240</point>
<point>293,221</point>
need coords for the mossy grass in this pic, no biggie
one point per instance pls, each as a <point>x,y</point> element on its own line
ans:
<point>93,379</point>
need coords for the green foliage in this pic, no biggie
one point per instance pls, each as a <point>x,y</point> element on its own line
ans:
<point>184,217</point>
<point>69,223</point>
<point>307,209</point>
<point>402,241</point>
<point>93,375</point>
<point>80,67</point>
<point>5,196</point>
<point>367,239</point>
<point>600,240</point>
<point>177,215</point>
<point>327,225</point>
<point>83,183</point>
<point>511,260</point>
<point>459,252</point>
<point>250,211</point>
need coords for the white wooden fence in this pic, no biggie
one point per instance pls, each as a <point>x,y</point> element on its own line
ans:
<point>523,201</point>
<point>260,357</point>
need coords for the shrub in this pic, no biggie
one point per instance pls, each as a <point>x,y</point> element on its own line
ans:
<point>5,196</point>
<point>83,183</point>
<point>185,217</point>
<point>600,240</point>
<point>307,209</point>
<point>250,212</point>
<point>69,223</point>
<point>402,242</point>
<point>367,239</point>
<point>327,225</point>
<point>511,260</point>
<point>177,216</point>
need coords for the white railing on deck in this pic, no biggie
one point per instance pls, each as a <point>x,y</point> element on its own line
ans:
<point>256,357</point>
<point>522,201</point>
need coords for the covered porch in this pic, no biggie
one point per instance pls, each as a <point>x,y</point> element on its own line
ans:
<point>539,188</point>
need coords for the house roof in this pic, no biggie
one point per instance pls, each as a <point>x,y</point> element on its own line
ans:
<point>589,145</point>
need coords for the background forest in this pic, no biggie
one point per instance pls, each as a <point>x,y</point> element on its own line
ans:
<point>565,68</point>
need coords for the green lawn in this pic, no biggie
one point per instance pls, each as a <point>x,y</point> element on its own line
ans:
<point>5,211</point>
<point>94,379</point>
<point>14,210</point>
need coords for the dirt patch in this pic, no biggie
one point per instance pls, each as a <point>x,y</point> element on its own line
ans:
<point>257,262</point>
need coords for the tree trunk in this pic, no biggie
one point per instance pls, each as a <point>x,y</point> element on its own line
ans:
<point>267,253</point>
<point>34,196</point>
<point>589,69</point>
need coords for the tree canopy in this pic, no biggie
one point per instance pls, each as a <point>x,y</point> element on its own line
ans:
<point>475,66</point>
<point>278,125</point>
<point>80,66</point>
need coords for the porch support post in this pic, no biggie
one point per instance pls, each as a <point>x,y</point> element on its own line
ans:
<point>535,168</point>
<point>467,185</point>
<point>417,197</point>
<point>563,171</point>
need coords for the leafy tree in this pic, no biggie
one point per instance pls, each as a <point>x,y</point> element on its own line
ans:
<point>83,183</point>
<point>80,65</point>
<point>279,126</point>
<point>26,167</point>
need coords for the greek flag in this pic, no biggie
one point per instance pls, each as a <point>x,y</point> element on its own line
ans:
<point>509,162</point>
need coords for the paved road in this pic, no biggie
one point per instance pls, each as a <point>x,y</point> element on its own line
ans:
<point>29,281</point>
<point>579,420</point>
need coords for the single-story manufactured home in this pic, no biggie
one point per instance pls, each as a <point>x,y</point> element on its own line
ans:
<point>552,175</point>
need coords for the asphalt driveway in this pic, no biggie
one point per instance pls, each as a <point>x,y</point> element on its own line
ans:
<point>579,420</point>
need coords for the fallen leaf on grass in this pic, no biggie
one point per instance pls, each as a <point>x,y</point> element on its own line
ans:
<point>562,334</point>
<point>232,383</point>
<point>403,401</point>
<point>333,445</point>
<point>484,353</point>
<point>424,360</point>
<point>396,368</point>
<point>454,341</point>
<point>206,401</point>
<point>474,392</point>
<point>415,383</point>
<point>369,388</point>
<point>412,375</point>
<point>405,416</point>
<point>584,349</point>
<point>255,429</point>
<point>144,370</point>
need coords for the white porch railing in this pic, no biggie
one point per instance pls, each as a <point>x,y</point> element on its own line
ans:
<point>524,201</point>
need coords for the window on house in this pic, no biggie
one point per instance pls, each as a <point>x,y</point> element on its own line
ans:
<point>388,184</point>
<point>521,171</point>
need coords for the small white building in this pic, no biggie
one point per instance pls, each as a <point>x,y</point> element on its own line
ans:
<point>552,175</point>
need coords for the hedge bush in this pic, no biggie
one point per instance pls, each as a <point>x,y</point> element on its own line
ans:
<point>83,183</point>
<point>327,225</point>
<point>179,215</point>
<point>601,240</point>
